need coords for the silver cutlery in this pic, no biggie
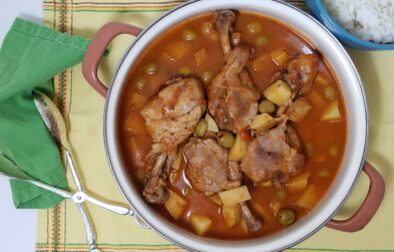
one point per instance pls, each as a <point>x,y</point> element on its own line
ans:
<point>55,123</point>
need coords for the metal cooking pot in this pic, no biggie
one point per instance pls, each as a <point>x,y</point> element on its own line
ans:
<point>357,118</point>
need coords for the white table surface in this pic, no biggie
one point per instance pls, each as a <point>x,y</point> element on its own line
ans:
<point>17,227</point>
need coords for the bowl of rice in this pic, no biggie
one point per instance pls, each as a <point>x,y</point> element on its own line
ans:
<point>361,24</point>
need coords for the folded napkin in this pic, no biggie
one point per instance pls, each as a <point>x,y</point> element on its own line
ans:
<point>61,228</point>
<point>29,57</point>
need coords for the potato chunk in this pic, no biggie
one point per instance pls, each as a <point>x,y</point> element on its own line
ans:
<point>265,184</point>
<point>200,57</point>
<point>331,113</point>
<point>278,93</point>
<point>174,175</point>
<point>309,198</point>
<point>321,80</point>
<point>261,211</point>
<point>238,150</point>
<point>216,199</point>
<point>137,153</point>
<point>299,109</point>
<point>201,223</point>
<point>244,227</point>
<point>316,99</point>
<point>276,206</point>
<point>212,126</point>
<point>135,124</point>
<point>140,175</point>
<point>175,205</point>
<point>137,101</point>
<point>262,122</point>
<point>231,215</point>
<point>299,182</point>
<point>280,57</point>
<point>234,196</point>
<point>260,62</point>
<point>175,51</point>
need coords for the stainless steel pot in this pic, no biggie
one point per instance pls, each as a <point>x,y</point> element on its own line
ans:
<point>352,164</point>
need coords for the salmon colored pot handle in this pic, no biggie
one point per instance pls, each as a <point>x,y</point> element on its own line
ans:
<point>368,208</point>
<point>96,49</point>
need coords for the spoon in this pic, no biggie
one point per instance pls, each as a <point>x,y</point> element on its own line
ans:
<point>55,123</point>
<point>76,197</point>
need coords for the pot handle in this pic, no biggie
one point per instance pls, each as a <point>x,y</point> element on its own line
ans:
<point>96,49</point>
<point>368,208</point>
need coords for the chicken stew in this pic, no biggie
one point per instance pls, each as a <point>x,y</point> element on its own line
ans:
<point>232,125</point>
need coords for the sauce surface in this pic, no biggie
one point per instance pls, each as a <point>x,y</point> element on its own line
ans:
<point>324,142</point>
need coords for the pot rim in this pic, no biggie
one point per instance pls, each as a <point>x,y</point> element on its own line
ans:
<point>118,174</point>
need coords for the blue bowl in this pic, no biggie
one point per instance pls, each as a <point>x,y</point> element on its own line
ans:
<point>320,12</point>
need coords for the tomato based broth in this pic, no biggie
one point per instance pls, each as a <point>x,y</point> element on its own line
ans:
<point>323,158</point>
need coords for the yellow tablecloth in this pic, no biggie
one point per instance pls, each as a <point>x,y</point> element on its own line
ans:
<point>61,228</point>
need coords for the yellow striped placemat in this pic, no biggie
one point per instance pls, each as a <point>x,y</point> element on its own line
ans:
<point>61,229</point>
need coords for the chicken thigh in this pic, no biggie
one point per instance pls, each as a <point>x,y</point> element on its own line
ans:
<point>223,22</point>
<point>170,118</point>
<point>301,72</point>
<point>208,168</point>
<point>273,155</point>
<point>233,103</point>
<point>209,171</point>
<point>232,98</point>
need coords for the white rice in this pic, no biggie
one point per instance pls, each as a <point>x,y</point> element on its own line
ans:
<point>371,20</point>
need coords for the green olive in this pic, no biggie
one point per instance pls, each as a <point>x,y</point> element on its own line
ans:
<point>207,76</point>
<point>225,139</point>
<point>261,40</point>
<point>140,175</point>
<point>286,216</point>
<point>333,150</point>
<point>201,128</point>
<point>189,34</point>
<point>254,27</point>
<point>324,173</point>
<point>185,70</point>
<point>266,106</point>
<point>281,195</point>
<point>140,83</point>
<point>150,68</point>
<point>329,92</point>
<point>308,149</point>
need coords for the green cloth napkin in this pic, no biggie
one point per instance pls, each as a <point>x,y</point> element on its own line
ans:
<point>29,57</point>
